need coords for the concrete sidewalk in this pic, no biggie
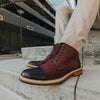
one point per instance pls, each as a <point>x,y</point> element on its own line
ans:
<point>88,86</point>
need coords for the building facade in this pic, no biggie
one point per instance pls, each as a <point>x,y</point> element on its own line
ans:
<point>26,24</point>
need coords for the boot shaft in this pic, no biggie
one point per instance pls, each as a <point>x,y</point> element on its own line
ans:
<point>67,54</point>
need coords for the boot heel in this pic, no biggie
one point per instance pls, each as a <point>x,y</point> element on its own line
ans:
<point>77,73</point>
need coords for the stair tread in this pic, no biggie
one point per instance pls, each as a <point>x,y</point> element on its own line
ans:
<point>88,86</point>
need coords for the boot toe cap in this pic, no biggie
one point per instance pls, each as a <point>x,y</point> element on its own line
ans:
<point>35,73</point>
<point>36,63</point>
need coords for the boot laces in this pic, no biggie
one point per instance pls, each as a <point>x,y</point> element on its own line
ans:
<point>59,54</point>
<point>55,47</point>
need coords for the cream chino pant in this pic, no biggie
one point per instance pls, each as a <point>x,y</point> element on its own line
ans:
<point>73,26</point>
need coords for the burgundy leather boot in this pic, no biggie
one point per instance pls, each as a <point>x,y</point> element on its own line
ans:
<point>65,64</point>
<point>35,64</point>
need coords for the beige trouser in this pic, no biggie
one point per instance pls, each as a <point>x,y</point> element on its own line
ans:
<point>73,26</point>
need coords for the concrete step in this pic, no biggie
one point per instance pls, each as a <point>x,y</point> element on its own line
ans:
<point>91,50</point>
<point>6,94</point>
<point>88,86</point>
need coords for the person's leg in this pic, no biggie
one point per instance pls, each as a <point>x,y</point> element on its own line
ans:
<point>63,15</point>
<point>80,23</point>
